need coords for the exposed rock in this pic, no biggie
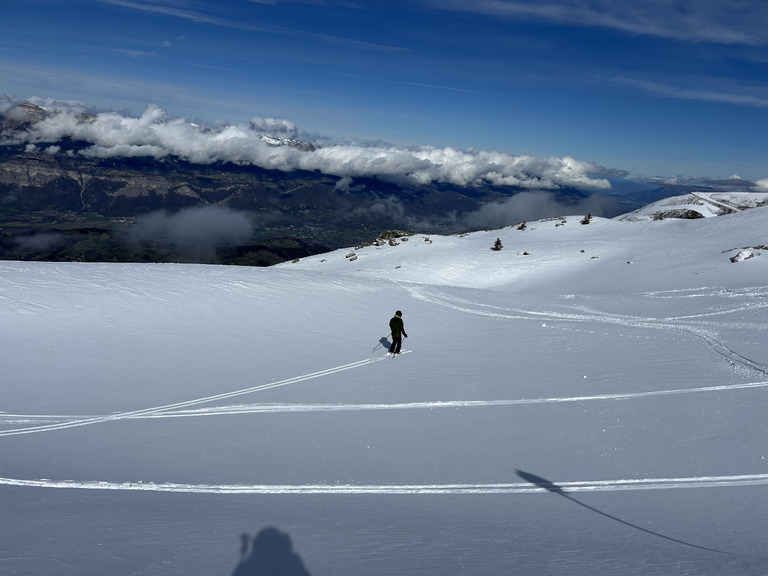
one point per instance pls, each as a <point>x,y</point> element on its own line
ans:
<point>22,116</point>
<point>743,255</point>
<point>682,214</point>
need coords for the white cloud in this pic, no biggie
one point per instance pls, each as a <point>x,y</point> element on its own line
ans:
<point>154,134</point>
<point>704,95</point>
<point>260,27</point>
<point>74,106</point>
<point>734,182</point>
<point>739,22</point>
<point>274,126</point>
<point>761,185</point>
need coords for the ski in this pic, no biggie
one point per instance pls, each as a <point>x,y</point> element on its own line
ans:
<point>391,355</point>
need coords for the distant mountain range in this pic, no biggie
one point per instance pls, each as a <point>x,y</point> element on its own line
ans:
<point>58,203</point>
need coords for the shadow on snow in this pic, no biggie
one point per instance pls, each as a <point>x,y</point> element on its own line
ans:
<point>269,554</point>
<point>555,489</point>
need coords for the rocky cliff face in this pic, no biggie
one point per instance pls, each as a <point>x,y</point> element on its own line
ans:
<point>21,117</point>
<point>58,176</point>
<point>130,187</point>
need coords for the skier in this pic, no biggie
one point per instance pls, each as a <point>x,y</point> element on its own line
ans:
<point>397,327</point>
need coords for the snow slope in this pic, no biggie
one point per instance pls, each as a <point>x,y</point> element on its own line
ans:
<point>699,205</point>
<point>590,399</point>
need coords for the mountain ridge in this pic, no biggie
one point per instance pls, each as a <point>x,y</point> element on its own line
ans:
<point>70,191</point>
<point>57,188</point>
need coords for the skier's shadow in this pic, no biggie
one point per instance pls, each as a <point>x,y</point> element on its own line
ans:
<point>269,554</point>
<point>555,489</point>
<point>384,342</point>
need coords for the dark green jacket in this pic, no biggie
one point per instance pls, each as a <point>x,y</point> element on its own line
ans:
<point>397,327</point>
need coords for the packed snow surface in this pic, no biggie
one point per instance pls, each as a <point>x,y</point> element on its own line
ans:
<point>589,399</point>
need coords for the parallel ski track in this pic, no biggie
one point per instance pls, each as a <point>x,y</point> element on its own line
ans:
<point>299,408</point>
<point>401,489</point>
<point>703,330</point>
<point>182,409</point>
<point>186,404</point>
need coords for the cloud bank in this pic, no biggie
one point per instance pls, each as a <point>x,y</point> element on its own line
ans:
<point>155,134</point>
<point>197,232</point>
<point>522,207</point>
<point>761,185</point>
<point>527,206</point>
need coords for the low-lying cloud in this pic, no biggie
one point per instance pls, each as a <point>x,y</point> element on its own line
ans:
<point>733,183</point>
<point>521,207</point>
<point>527,206</point>
<point>761,186</point>
<point>40,242</point>
<point>196,232</point>
<point>155,134</point>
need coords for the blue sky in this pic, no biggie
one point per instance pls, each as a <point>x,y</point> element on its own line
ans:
<point>654,88</point>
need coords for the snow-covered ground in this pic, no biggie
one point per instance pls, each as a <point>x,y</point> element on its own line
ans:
<point>699,205</point>
<point>590,399</point>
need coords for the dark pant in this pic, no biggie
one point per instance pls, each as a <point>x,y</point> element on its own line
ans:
<point>397,342</point>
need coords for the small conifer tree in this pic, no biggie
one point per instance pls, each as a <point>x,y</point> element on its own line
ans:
<point>497,245</point>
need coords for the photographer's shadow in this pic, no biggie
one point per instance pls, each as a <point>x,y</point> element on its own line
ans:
<point>270,554</point>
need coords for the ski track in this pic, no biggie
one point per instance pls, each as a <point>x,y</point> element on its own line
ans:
<point>205,400</point>
<point>703,330</point>
<point>717,203</point>
<point>580,314</point>
<point>301,408</point>
<point>401,489</point>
